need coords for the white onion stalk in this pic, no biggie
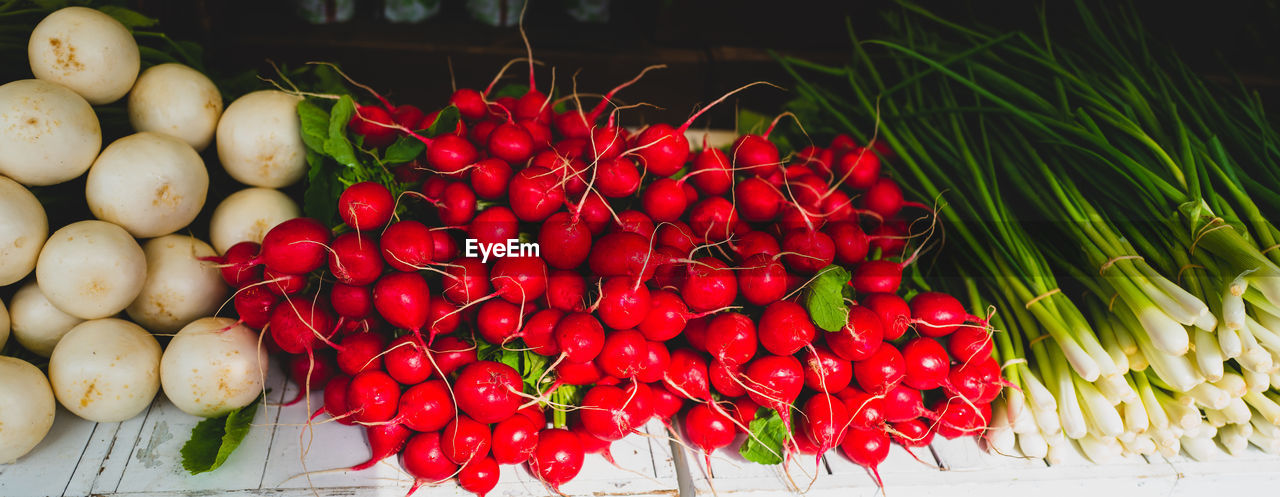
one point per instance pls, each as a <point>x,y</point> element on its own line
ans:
<point>1268,283</point>
<point>1254,357</point>
<point>1059,449</point>
<point>1166,333</point>
<point>1235,438</point>
<point>1188,304</point>
<point>1229,342</point>
<point>1261,425</point>
<point>1136,420</point>
<point>1267,319</point>
<point>1237,411</point>
<point>1036,392</point>
<point>1233,384</point>
<point>1215,417</point>
<point>1209,396</point>
<point>1107,336</point>
<point>1033,445</point>
<point>1102,414</point>
<point>1270,445</point>
<point>1200,448</point>
<point>1070,413</point>
<point>1266,407</point>
<point>1233,301</point>
<point>999,436</point>
<point>1140,445</point>
<point>1208,356</point>
<point>1180,415</point>
<point>1157,418</point>
<point>1267,337</point>
<point>1100,450</point>
<point>1169,446</point>
<point>1275,380</point>
<point>1138,361</point>
<point>1116,389</point>
<point>1123,337</point>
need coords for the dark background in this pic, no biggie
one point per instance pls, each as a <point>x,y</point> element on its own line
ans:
<point>710,46</point>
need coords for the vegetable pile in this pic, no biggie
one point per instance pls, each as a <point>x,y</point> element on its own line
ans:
<point>512,279</point>
<point>1115,207</point>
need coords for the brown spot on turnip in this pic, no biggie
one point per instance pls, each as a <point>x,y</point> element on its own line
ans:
<point>87,398</point>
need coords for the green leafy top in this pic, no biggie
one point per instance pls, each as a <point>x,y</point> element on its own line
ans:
<point>766,442</point>
<point>213,439</point>
<point>825,298</point>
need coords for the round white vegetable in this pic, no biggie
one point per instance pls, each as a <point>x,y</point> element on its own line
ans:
<point>4,325</point>
<point>37,324</point>
<point>105,370</point>
<point>23,229</point>
<point>48,133</point>
<point>259,142</point>
<point>212,367</point>
<point>179,287</point>
<point>86,51</point>
<point>91,269</point>
<point>178,101</point>
<point>148,183</point>
<point>28,408</point>
<point>247,215</point>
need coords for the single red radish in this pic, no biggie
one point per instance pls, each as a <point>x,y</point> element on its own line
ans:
<point>687,375</point>
<point>882,371</point>
<point>825,371</point>
<point>732,338</point>
<point>451,354</point>
<point>298,324</point>
<point>498,321</point>
<point>653,363</point>
<point>539,329</point>
<point>877,276</point>
<point>296,246</point>
<point>355,259</point>
<point>494,225</point>
<point>480,476</point>
<point>762,279</point>
<point>866,411</point>
<point>519,279</point>
<point>466,280</point>
<point>238,265</point>
<point>310,374</point>
<point>867,448</point>
<point>851,243</point>
<point>903,403</point>
<point>859,169</point>
<point>623,304</point>
<point>666,317</point>
<point>535,193</point>
<point>514,440</point>
<point>490,178</point>
<point>776,382</point>
<point>404,300</point>
<point>708,430</point>
<point>373,397</point>
<point>623,353</point>
<point>937,314</point>
<point>714,219</point>
<point>756,200</point>
<point>611,413</point>
<point>423,459</point>
<point>664,200</point>
<point>366,206</point>
<point>785,328</point>
<point>488,391</point>
<point>579,337</point>
<point>727,379</point>
<point>464,440</point>
<point>860,337</point>
<point>894,313</point>
<point>709,285</point>
<point>927,364</point>
<point>255,305</point>
<point>567,239</point>
<point>566,290</point>
<point>407,362</point>
<point>360,352</point>
<point>407,246</point>
<point>352,302</point>
<point>711,173</point>
<point>557,457</point>
<point>755,155</point>
<point>826,421</point>
<point>385,440</point>
<point>884,198</point>
<point>451,154</point>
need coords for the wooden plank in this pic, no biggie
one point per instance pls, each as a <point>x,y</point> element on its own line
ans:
<point>48,468</point>
<point>103,463</point>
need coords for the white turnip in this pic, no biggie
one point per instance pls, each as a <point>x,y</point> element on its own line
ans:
<point>22,233</point>
<point>247,216</point>
<point>91,269</point>
<point>29,408</point>
<point>149,184</point>
<point>179,287</point>
<point>213,366</point>
<point>105,370</point>
<point>259,142</point>
<point>178,101</point>
<point>51,134</point>
<point>87,51</point>
<point>35,323</point>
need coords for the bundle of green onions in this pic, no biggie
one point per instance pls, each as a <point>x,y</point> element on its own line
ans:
<point>1114,208</point>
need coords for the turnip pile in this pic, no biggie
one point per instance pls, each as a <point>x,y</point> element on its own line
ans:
<point>516,278</point>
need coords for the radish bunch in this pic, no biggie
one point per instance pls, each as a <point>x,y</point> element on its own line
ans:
<point>667,284</point>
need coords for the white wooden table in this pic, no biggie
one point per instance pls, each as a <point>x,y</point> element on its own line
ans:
<point>140,458</point>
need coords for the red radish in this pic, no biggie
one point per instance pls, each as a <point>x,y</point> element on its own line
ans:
<point>744,411</point>
<point>534,413</point>
<point>238,266</point>
<point>498,321</point>
<point>687,375</point>
<point>757,200</point>
<point>443,317</point>
<point>310,374</point>
<point>534,194</point>
<point>666,317</point>
<point>466,280</point>
<point>480,132</point>
<point>539,331</point>
<point>433,187</point>
<point>567,239</point>
<point>664,200</point>
<point>366,206</point>
<point>727,379</point>
<point>606,142</point>
<point>296,246</point>
<point>708,429</point>
<point>579,373</point>
<point>978,381</point>
<point>489,178</point>
<point>451,354</point>
<point>623,304</point>
<point>611,413</point>
<point>762,279</point>
<point>911,433</point>
<point>670,275</point>
<point>360,352</point>
<point>842,144</point>
<point>903,403</point>
<point>284,284</point>
<point>464,440</point>
<point>677,235</point>
<point>409,117</point>
<point>407,246</point>
<point>714,219</point>
<point>557,457</point>
<point>653,363</point>
<point>755,155</point>
<point>890,237</point>
<point>254,305</point>
<point>594,211</point>
<point>883,198</point>
<point>622,254</point>
<point>519,279</point>
<point>566,290</point>
<point>937,314</point>
<point>665,404</point>
<point>496,224</point>
<point>877,276</point>
<point>710,173</point>
<point>709,285</point>
<point>456,205</point>
<point>926,363</point>
<point>634,222</point>
<point>799,440</point>
<point>375,124</point>
<point>335,400</point>
<point>850,242</point>
<point>623,353</point>
<point>695,332</point>
<point>450,154</point>
<point>860,337</point>
<point>373,397</point>
<point>423,459</point>
<point>793,219</point>
<point>355,259</point>
<point>617,177</point>
<point>825,371</point>
<point>826,420</point>
<point>404,300</point>
<point>808,191</point>
<point>970,343</point>
<point>785,328</point>
<point>882,371</point>
<point>731,338</point>
<point>444,247</point>
<point>480,476</point>
<point>385,440</point>
<point>510,142</point>
<point>837,207</point>
<point>488,391</point>
<point>539,132</point>
<point>958,417</point>
<point>665,151</point>
<point>776,382</point>
<point>894,313</point>
<point>353,302</point>
<point>866,411</point>
<point>867,448</point>
<point>579,337</point>
<point>859,169</point>
<point>406,362</point>
<point>514,440</point>
<point>470,104</point>
<point>298,324</point>
<point>592,444</point>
